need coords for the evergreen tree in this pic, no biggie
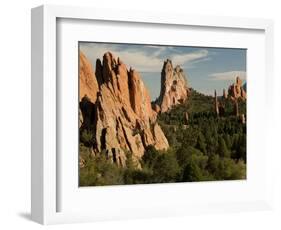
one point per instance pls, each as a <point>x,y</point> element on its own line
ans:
<point>166,168</point>
<point>227,140</point>
<point>222,148</point>
<point>213,163</point>
<point>192,172</point>
<point>201,143</point>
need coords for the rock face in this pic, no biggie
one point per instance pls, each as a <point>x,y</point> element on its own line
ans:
<point>245,87</point>
<point>174,87</point>
<point>80,118</point>
<point>123,120</point>
<point>140,98</point>
<point>237,90</point>
<point>88,82</point>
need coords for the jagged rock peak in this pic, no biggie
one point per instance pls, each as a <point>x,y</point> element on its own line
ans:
<point>87,78</point>
<point>236,90</point>
<point>174,86</point>
<point>178,69</point>
<point>121,118</point>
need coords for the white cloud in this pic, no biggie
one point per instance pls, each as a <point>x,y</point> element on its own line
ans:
<point>181,59</point>
<point>193,64</point>
<point>139,59</point>
<point>230,75</point>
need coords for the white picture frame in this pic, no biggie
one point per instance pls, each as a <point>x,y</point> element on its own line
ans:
<point>46,164</point>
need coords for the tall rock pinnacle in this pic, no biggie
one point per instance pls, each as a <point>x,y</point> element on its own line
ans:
<point>87,78</point>
<point>174,87</point>
<point>216,104</point>
<point>236,90</point>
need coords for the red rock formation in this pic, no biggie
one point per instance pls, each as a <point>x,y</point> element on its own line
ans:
<point>236,90</point>
<point>123,118</point>
<point>156,107</point>
<point>88,82</point>
<point>174,88</point>
<point>140,98</point>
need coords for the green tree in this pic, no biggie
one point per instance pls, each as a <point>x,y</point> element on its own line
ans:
<point>241,148</point>
<point>222,148</point>
<point>213,164</point>
<point>150,156</point>
<point>190,137</point>
<point>166,168</point>
<point>229,170</point>
<point>201,143</point>
<point>192,172</point>
<point>227,140</point>
<point>99,170</point>
<point>87,138</point>
<point>192,161</point>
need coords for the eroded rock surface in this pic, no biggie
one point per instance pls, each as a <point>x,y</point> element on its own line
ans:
<point>121,117</point>
<point>174,86</point>
<point>236,90</point>
<point>88,83</point>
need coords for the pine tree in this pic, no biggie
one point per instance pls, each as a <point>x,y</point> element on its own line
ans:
<point>227,141</point>
<point>201,143</point>
<point>222,148</point>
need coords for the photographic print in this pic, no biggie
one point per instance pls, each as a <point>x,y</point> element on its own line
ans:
<point>161,114</point>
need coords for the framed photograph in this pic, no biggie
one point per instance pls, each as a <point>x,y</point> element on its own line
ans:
<point>144,114</point>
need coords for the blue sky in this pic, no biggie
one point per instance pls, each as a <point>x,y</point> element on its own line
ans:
<point>206,68</point>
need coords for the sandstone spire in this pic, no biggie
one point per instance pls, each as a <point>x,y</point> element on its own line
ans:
<point>174,87</point>
<point>216,104</point>
<point>87,79</point>
<point>236,90</point>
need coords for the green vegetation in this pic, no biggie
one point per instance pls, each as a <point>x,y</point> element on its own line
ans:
<point>207,147</point>
<point>203,147</point>
<point>98,170</point>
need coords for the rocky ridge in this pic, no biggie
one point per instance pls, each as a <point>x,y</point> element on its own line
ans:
<point>116,108</point>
